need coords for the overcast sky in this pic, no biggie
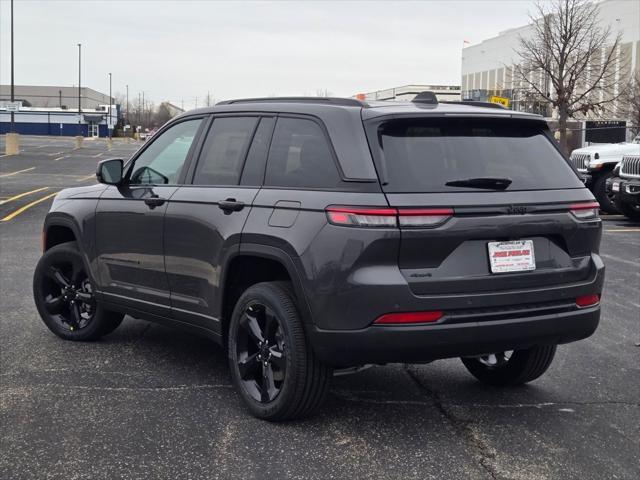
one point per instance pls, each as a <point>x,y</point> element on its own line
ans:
<point>177,50</point>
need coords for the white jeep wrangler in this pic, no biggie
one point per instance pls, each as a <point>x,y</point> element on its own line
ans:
<point>596,164</point>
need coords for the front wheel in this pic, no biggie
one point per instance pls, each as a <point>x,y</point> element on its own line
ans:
<point>605,199</point>
<point>631,211</point>
<point>64,296</point>
<point>511,368</point>
<point>272,365</point>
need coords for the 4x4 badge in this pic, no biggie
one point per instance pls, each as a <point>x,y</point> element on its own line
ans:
<point>516,210</point>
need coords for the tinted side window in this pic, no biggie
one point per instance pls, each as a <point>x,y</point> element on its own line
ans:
<point>162,161</point>
<point>224,151</point>
<point>256,158</point>
<point>300,156</point>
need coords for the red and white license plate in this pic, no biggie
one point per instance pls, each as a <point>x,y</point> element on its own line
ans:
<point>512,256</point>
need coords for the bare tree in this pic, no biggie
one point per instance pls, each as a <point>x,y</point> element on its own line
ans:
<point>570,60</point>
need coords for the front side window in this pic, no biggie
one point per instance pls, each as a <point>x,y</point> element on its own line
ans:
<point>162,162</point>
<point>224,150</point>
<point>300,156</point>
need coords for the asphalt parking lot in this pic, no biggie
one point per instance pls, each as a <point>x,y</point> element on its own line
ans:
<point>149,402</point>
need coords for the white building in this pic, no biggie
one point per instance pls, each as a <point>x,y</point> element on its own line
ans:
<point>487,68</point>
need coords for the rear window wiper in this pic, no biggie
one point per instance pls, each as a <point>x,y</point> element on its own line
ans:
<point>490,183</point>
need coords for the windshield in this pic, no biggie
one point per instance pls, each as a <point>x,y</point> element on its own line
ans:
<point>424,155</point>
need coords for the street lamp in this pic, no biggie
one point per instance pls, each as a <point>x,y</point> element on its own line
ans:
<point>12,128</point>
<point>110,102</point>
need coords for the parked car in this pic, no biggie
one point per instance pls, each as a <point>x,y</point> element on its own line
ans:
<point>596,164</point>
<point>309,235</point>
<point>626,187</point>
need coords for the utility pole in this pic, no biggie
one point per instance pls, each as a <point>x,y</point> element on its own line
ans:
<point>110,102</point>
<point>143,106</point>
<point>128,121</point>
<point>79,88</point>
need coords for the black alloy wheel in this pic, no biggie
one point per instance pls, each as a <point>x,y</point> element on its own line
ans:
<point>66,299</point>
<point>273,367</point>
<point>261,353</point>
<point>68,295</point>
<point>511,368</point>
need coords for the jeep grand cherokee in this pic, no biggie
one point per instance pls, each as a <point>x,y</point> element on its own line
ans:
<point>309,235</point>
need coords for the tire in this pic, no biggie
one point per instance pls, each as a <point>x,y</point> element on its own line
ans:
<point>599,189</point>
<point>632,212</point>
<point>521,367</point>
<point>70,313</point>
<point>273,367</point>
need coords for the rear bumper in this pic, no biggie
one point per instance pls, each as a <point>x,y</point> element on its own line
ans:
<point>410,344</point>
<point>472,325</point>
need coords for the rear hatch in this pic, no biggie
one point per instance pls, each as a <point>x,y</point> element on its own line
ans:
<point>485,204</point>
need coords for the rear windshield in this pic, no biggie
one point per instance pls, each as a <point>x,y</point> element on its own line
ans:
<point>422,155</point>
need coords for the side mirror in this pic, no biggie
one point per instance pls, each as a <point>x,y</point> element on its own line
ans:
<point>110,171</point>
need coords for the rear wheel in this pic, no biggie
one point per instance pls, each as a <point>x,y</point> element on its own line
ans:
<point>511,368</point>
<point>605,199</point>
<point>272,365</point>
<point>64,296</point>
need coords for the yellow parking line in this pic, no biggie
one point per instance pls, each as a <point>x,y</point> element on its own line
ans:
<point>86,178</point>
<point>20,195</point>
<point>27,207</point>
<point>615,230</point>
<point>15,173</point>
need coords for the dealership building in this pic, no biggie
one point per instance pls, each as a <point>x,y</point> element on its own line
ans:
<point>53,110</point>
<point>407,93</point>
<point>488,67</point>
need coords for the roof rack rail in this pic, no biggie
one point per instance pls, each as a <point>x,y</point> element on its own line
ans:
<point>426,97</point>
<point>474,103</point>
<point>346,102</point>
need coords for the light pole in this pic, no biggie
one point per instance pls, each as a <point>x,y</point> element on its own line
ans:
<point>128,122</point>
<point>79,88</point>
<point>12,128</point>
<point>12,142</point>
<point>110,102</point>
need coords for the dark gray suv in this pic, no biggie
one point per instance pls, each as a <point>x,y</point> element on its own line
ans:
<point>312,235</point>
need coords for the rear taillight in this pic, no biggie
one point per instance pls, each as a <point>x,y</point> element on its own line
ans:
<point>585,301</point>
<point>362,216</point>
<point>387,217</point>
<point>585,211</point>
<point>409,317</point>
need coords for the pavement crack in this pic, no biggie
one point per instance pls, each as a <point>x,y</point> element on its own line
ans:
<point>485,454</point>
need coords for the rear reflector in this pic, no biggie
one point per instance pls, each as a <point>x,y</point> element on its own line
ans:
<point>408,317</point>
<point>585,211</point>
<point>387,217</point>
<point>423,217</point>
<point>587,301</point>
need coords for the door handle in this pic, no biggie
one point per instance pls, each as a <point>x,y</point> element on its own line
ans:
<point>230,205</point>
<point>154,201</point>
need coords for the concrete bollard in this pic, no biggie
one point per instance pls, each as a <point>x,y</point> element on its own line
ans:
<point>12,144</point>
<point>79,140</point>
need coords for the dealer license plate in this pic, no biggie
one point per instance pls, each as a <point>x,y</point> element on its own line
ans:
<point>513,256</point>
